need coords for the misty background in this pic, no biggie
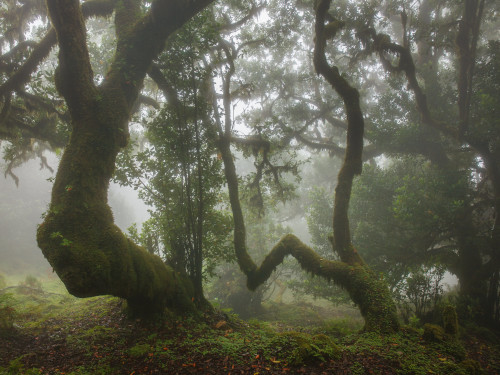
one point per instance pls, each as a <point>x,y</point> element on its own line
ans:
<point>22,206</point>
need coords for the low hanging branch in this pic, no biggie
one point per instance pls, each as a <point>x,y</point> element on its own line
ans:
<point>366,290</point>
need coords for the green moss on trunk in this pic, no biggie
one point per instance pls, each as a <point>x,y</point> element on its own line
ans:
<point>365,288</point>
<point>79,239</point>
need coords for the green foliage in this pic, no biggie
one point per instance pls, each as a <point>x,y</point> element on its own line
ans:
<point>89,338</point>
<point>486,102</point>
<point>32,282</point>
<point>229,291</point>
<point>319,217</point>
<point>177,171</point>
<point>16,367</point>
<point>420,292</point>
<point>471,367</point>
<point>400,211</point>
<point>319,224</point>
<point>433,332</point>
<point>299,348</point>
<point>96,338</point>
<point>408,354</point>
<point>7,313</point>
<point>450,320</point>
<point>139,350</point>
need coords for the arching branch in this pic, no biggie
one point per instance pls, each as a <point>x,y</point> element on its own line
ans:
<point>351,272</point>
<point>230,27</point>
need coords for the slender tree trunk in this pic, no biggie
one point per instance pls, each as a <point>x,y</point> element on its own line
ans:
<point>366,289</point>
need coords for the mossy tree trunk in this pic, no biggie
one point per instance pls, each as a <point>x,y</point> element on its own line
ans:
<point>78,235</point>
<point>366,289</point>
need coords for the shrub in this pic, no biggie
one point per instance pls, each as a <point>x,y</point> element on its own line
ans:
<point>7,313</point>
<point>298,348</point>
<point>433,332</point>
<point>450,320</point>
<point>32,282</point>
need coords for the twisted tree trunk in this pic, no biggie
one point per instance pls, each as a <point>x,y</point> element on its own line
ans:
<point>365,288</point>
<point>78,236</point>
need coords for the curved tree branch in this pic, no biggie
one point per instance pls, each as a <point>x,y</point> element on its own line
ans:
<point>41,50</point>
<point>355,129</point>
<point>230,27</point>
<point>351,272</point>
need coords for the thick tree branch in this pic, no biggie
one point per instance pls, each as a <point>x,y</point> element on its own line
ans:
<point>355,129</point>
<point>145,40</point>
<point>466,41</point>
<point>74,75</point>
<point>230,27</point>
<point>23,74</point>
<point>165,86</point>
<point>40,52</point>
<point>360,282</point>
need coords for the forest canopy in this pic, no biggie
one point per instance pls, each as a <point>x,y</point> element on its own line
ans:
<point>393,105</point>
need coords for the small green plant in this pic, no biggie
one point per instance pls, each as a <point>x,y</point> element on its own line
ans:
<point>433,333</point>
<point>90,336</point>
<point>450,320</point>
<point>16,367</point>
<point>139,350</point>
<point>298,348</point>
<point>64,241</point>
<point>471,367</point>
<point>357,369</point>
<point>7,313</point>
<point>32,282</point>
<point>414,322</point>
<point>339,328</point>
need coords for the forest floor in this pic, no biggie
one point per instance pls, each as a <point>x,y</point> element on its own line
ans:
<point>46,331</point>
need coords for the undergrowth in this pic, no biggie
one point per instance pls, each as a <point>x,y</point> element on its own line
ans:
<point>49,332</point>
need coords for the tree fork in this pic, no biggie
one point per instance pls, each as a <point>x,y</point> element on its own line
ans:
<point>78,236</point>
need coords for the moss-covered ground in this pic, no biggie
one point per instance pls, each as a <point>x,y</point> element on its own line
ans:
<point>43,330</point>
